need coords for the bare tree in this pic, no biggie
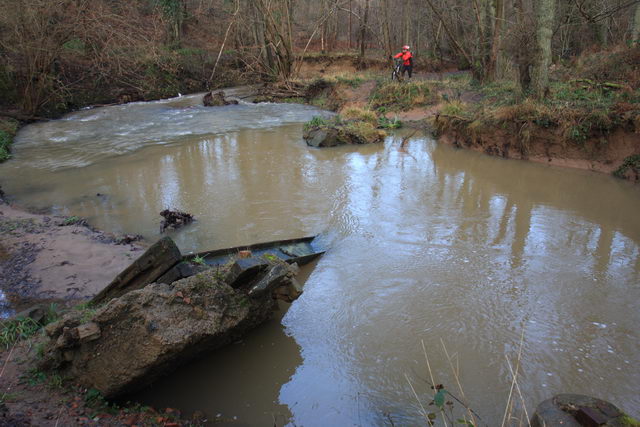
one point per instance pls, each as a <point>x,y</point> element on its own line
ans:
<point>635,32</point>
<point>545,14</point>
<point>363,30</point>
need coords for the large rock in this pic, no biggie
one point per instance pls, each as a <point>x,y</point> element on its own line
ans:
<point>322,137</point>
<point>350,132</point>
<point>146,333</point>
<point>575,410</point>
<point>217,99</point>
<point>156,261</point>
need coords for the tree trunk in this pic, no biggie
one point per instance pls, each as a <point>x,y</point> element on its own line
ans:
<point>350,28</point>
<point>363,29</point>
<point>545,15</point>
<point>496,42</point>
<point>522,56</point>
<point>406,24</point>
<point>386,35</point>
<point>635,32</point>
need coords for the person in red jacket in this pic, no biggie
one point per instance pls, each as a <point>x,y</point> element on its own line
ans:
<point>407,60</point>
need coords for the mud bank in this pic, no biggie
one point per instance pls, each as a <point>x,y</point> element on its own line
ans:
<point>605,154</point>
<point>44,257</point>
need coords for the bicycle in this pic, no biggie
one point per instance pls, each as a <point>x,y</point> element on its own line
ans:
<point>397,70</point>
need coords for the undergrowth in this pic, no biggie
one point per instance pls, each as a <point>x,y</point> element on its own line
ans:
<point>577,110</point>
<point>8,129</point>
<point>631,162</point>
<point>401,96</point>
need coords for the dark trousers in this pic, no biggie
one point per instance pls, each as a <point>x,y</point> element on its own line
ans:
<point>408,69</point>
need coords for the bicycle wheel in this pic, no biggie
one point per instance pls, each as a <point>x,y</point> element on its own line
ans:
<point>395,75</point>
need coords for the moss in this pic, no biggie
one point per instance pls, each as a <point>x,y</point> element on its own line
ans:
<point>360,132</point>
<point>352,131</point>
<point>627,421</point>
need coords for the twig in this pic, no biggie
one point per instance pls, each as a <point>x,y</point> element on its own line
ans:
<point>424,411</point>
<point>457,377</point>
<point>59,413</point>
<point>226,34</point>
<point>424,349</point>
<point>432,384</point>
<point>8,358</point>
<point>514,381</point>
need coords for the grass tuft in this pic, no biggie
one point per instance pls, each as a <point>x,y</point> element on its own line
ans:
<point>12,331</point>
<point>401,96</point>
<point>362,114</point>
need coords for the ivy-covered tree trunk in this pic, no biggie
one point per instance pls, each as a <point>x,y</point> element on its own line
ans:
<point>545,14</point>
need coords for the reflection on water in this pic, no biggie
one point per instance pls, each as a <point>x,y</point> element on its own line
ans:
<point>436,245</point>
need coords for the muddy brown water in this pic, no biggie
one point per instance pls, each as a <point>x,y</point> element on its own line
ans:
<point>435,246</point>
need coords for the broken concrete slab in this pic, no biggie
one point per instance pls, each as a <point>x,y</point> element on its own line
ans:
<point>243,270</point>
<point>157,260</point>
<point>182,270</point>
<point>133,339</point>
<point>576,410</point>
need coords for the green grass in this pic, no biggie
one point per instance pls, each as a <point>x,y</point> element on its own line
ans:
<point>627,421</point>
<point>353,81</point>
<point>18,329</point>
<point>316,122</point>
<point>363,114</point>
<point>86,310</point>
<point>198,260</point>
<point>270,257</point>
<point>385,123</point>
<point>454,108</point>
<point>8,397</point>
<point>34,377</point>
<point>71,220</point>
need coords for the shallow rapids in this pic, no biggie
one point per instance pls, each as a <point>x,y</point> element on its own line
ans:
<point>433,245</point>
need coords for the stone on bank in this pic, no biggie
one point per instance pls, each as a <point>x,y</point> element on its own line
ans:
<point>137,337</point>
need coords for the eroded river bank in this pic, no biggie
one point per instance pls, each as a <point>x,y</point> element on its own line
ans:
<point>431,244</point>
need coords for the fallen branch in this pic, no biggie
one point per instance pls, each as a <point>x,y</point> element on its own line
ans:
<point>174,219</point>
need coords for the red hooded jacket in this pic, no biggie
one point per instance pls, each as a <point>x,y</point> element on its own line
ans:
<point>406,57</point>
